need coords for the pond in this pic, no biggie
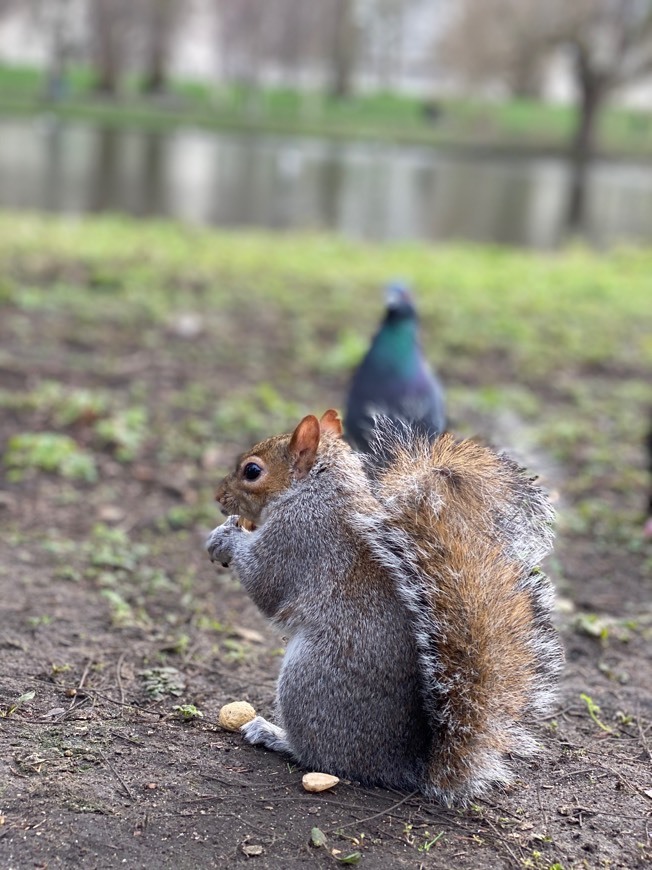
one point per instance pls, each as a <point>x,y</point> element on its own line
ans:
<point>365,190</point>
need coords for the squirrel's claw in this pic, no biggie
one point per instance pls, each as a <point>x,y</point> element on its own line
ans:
<point>220,541</point>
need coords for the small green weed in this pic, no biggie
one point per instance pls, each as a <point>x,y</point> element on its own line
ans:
<point>236,652</point>
<point>122,613</point>
<point>255,413</point>
<point>37,621</point>
<point>66,406</point>
<point>17,704</point>
<point>429,842</point>
<point>188,712</point>
<point>124,432</point>
<point>32,452</point>
<point>163,681</point>
<point>593,711</point>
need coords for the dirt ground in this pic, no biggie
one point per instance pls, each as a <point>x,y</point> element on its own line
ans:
<point>112,616</point>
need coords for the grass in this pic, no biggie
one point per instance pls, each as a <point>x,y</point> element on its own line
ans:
<point>462,123</point>
<point>318,297</point>
<point>562,342</point>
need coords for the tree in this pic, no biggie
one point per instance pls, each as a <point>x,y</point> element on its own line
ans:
<point>241,38</point>
<point>344,48</point>
<point>59,19</point>
<point>56,20</point>
<point>109,21</point>
<point>497,41</point>
<point>159,18</point>
<point>610,43</point>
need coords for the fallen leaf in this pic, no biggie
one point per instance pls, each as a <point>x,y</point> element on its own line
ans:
<point>317,837</point>
<point>247,634</point>
<point>110,513</point>
<point>353,858</point>
<point>53,713</point>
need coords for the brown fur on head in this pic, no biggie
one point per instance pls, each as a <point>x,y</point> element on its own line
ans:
<point>272,466</point>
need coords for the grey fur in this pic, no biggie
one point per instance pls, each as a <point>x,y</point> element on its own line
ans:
<point>260,732</point>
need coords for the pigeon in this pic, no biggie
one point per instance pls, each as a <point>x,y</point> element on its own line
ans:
<point>394,380</point>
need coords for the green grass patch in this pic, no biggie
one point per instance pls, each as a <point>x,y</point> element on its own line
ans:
<point>307,295</point>
<point>556,346</point>
<point>52,452</point>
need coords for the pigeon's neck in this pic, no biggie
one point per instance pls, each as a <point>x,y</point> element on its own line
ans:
<point>397,346</point>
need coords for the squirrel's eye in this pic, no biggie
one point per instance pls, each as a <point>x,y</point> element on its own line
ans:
<point>251,471</point>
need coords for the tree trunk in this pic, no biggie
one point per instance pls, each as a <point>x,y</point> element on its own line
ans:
<point>593,92</point>
<point>343,51</point>
<point>526,78</point>
<point>576,203</point>
<point>105,54</point>
<point>159,23</point>
<point>59,50</point>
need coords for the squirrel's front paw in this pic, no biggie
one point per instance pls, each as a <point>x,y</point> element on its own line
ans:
<point>220,541</point>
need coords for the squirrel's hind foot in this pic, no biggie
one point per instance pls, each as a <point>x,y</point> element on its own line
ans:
<point>260,732</point>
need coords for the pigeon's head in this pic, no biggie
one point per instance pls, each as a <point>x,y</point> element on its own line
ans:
<point>398,301</point>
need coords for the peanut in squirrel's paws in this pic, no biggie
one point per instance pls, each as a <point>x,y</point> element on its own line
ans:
<point>260,732</point>
<point>220,541</point>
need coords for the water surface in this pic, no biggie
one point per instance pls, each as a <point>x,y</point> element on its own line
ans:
<point>364,190</point>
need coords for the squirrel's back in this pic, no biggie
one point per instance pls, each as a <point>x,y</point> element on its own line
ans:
<point>479,602</point>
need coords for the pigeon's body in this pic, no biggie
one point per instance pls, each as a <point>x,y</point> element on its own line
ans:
<point>394,380</point>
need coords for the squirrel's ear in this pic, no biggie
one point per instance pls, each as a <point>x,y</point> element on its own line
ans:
<point>330,422</point>
<point>303,445</point>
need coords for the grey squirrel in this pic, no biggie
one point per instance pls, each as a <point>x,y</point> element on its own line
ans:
<point>418,621</point>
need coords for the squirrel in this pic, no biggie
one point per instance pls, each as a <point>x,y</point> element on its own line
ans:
<point>418,620</point>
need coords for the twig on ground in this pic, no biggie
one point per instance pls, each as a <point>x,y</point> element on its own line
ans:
<point>503,841</point>
<point>116,774</point>
<point>104,697</point>
<point>385,812</point>
<point>81,684</point>
<point>118,677</point>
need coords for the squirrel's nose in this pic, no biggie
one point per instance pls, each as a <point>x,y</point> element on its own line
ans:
<point>219,495</point>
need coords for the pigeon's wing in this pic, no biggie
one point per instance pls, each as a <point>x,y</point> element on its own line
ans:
<point>420,403</point>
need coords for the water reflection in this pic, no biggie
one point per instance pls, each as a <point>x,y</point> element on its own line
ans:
<point>364,190</point>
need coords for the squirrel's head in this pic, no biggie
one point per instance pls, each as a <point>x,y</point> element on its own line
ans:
<point>273,465</point>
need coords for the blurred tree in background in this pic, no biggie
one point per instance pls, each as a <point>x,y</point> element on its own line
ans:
<point>499,40</point>
<point>344,48</point>
<point>337,49</point>
<point>110,26</point>
<point>608,42</point>
<point>294,36</point>
<point>158,21</point>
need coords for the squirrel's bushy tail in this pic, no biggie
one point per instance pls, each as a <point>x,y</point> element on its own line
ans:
<point>490,656</point>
